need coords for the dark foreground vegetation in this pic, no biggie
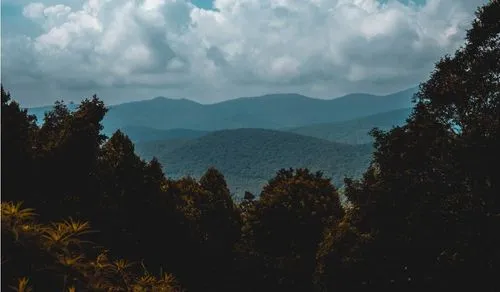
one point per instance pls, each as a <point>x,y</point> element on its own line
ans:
<point>425,215</point>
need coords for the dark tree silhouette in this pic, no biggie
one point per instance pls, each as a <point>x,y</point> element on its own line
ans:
<point>287,224</point>
<point>68,146</point>
<point>18,137</point>
<point>430,199</point>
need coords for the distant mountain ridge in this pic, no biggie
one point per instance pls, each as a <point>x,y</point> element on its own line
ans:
<point>272,111</point>
<point>354,131</point>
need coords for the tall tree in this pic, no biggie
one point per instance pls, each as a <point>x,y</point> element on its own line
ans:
<point>463,94</point>
<point>121,177</point>
<point>18,142</point>
<point>221,217</point>
<point>292,211</point>
<point>68,146</point>
<point>430,199</point>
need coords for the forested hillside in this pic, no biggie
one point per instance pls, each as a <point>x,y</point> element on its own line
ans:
<point>424,216</point>
<point>248,157</point>
<point>143,134</point>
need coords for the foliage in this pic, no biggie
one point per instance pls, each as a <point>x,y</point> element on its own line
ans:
<point>18,130</point>
<point>213,222</point>
<point>340,252</point>
<point>430,198</point>
<point>59,258</point>
<point>284,227</point>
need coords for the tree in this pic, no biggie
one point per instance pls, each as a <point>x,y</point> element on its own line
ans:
<point>292,211</point>
<point>340,253</point>
<point>123,191</point>
<point>18,138</point>
<point>220,215</point>
<point>154,172</point>
<point>68,146</point>
<point>431,195</point>
<point>210,227</point>
<point>463,94</point>
<point>248,196</point>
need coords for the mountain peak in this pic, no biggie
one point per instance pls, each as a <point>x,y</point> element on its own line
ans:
<point>162,99</point>
<point>284,95</point>
<point>270,97</point>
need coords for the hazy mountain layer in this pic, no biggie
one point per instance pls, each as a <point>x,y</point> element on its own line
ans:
<point>354,131</point>
<point>273,111</point>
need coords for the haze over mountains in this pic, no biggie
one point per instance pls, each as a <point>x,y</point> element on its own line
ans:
<point>250,138</point>
<point>273,111</point>
<point>354,131</point>
<point>269,111</point>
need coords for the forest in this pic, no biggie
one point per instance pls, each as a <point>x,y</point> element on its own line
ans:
<point>249,157</point>
<point>82,212</point>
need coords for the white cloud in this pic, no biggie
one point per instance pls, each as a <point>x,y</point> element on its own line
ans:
<point>34,10</point>
<point>317,47</point>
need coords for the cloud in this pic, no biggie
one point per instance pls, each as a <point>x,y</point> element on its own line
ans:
<point>318,47</point>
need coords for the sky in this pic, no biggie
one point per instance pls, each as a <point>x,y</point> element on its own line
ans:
<point>209,51</point>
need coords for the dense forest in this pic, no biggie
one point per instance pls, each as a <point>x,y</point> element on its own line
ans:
<point>249,157</point>
<point>82,212</point>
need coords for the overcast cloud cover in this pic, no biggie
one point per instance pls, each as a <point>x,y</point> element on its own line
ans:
<point>134,49</point>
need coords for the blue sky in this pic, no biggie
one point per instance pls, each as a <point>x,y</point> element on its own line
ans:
<point>207,4</point>
<point>215,50</point>
<point>14,22</point>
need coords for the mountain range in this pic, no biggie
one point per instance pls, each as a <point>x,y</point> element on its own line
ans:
<point>250,138</point>
<point>272,111</point>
